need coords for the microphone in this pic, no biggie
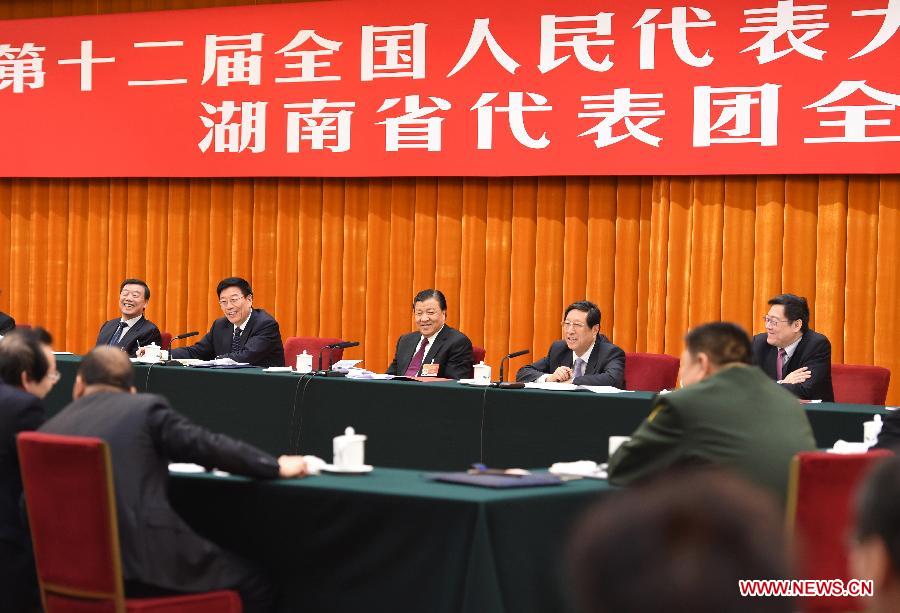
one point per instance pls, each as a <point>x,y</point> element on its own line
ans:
<point>513,384</point>
<point>170,361</point>
<point>328,372</point>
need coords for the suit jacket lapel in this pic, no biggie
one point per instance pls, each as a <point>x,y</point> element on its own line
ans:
<point>591,366</point>
<point>798,352</point>
<point>246,331</point>
<point>131,332</point>
<point>435,346</point>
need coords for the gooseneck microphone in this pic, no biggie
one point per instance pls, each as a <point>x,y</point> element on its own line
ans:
<point>341,345</point>
<point>513,384</point>
<point>170,361</point>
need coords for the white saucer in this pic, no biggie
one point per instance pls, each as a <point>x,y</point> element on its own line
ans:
<point>347,470</point>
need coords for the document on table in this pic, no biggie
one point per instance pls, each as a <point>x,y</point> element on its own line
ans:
<point>571,387</point>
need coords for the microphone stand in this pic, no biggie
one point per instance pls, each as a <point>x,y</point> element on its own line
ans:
<point>170,361</point>
<point>329,372</point>
<point>511,385</point>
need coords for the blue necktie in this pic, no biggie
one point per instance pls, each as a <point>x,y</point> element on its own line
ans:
<point>120,331</point>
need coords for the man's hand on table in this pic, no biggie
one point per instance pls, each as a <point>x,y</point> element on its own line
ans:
<point>290,466</point>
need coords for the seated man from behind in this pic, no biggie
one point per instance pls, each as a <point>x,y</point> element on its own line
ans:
<point>27,374</point>
<point>132,330</point>
<point>583,356</point>
<point>875,553</point>
<point>160,552</point>
<point>728,413</point>
<point>792,353</point>
<point>244,334</point>
<point>436,349</point>
<point>678,545</point>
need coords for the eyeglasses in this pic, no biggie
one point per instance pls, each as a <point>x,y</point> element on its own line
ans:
<point>575,325</point>
<point>232,301</point>
<point>771,321</point>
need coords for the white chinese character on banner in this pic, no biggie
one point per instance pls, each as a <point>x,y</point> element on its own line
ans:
<point>516,110</point>
<point>785,19</point>
<point>21,67</point>
<point>394,51</point>
<point>622,105</point>
<point>235,136</point>
<point>412,130</point>
<point>601,26</point>
<point>87,61</point>
<point>481,35</point>
<point>737,106</point>
<point>326,125</point>
<point>889,26</point>
<point>855,121</point>
<point>308,57</point>
<point>679,26</point>
<point>236,67</point>
<point>157,44</point>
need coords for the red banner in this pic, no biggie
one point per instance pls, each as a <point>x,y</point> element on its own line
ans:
<point>356,88</point>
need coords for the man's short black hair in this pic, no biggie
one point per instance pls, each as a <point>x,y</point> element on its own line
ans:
<point>722,341</point>
<point>426,294</point>
<point>678,544</point>
<point>878,508</point>
<point>586,306</point>
<point>21,352</point>
<point>795,307</point>
<point>107,366</point>
<point>241,284</point>
<point>136,282</point>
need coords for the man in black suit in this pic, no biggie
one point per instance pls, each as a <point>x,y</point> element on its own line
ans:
<point>132,330</point>
<point>436,350</point>
<point>583,357</point>
<point>245,334</point>
<point>27,373</point>
<point>160,552</point>
<point>792,353</point>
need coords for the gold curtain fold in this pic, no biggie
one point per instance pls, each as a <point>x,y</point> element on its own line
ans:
<point>343,257</point>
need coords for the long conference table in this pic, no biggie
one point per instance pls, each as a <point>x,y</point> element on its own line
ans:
<point>417,425</point>
<point>393,540</point>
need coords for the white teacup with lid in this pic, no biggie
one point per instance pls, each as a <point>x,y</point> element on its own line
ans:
<point>482,373</point>
<point>304,362</point>
<point>349,449</point>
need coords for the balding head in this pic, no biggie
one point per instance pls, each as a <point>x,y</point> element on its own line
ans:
<point>104,369</point>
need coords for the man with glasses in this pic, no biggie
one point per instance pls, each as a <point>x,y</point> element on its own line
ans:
<point>792,353</point>
<point>244,334</point>
<point>132,330</point>
<point>583,356</point>
<point>27,374</point>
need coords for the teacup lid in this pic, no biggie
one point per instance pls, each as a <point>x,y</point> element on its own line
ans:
<point>350,435</point>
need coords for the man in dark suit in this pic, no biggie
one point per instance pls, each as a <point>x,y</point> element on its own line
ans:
<point>245,334</point>
<point>27,373</point>
<point>159,550</point>
<point>132,330</point>
<point>436,350</point>
<point>727,414</point>
<point>583,357</point>
<point>792,353</point>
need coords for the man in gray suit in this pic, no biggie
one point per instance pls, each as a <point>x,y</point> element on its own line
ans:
<point>160,552</point>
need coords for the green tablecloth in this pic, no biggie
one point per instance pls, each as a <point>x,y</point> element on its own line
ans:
<point>430,426</point>
<point>392,541</point>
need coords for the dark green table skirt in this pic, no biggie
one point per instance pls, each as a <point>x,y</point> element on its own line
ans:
<point>392,541</point>
<point>430,426</point>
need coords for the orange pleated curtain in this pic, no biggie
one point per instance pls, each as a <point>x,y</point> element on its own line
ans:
<point>343,257</point>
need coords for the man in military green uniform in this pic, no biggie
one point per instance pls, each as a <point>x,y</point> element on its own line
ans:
<point>728,413</point>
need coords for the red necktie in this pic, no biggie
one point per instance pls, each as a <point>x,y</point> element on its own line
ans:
<point>779,363</point>
<point>413,369</point>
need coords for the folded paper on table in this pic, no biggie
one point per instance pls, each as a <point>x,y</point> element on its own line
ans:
<point>495,481</point>
<point>582,468</point>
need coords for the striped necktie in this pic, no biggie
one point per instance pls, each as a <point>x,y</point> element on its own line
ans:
<point>236,341</point>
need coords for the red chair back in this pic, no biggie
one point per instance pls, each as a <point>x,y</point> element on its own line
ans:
<point>861,384</point>
<point>478,354</point>
<point>72,516</point>
<point>650,372</point>
<point>166,340</point>
<point>820,517</point>
<point>23,326</point>
<point>296,345</point>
